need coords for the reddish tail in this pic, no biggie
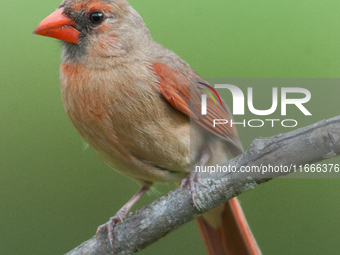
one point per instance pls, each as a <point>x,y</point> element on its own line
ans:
<point>225,231</point>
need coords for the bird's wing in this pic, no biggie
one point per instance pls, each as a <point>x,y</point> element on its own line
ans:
<point>183,92</point>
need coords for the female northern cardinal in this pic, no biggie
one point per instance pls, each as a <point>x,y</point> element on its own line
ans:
<point>129,98</point>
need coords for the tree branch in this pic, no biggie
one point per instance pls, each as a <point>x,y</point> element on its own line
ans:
<point>141,228</point>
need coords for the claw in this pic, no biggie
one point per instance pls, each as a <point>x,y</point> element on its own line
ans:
<point>100,229</point>
<point>121,214</point>
<point>192,178</point>
<point>120,218</point>
<point>200,182</point>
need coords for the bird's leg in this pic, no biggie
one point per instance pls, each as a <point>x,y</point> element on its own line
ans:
<point>193,177</point>
<point>121,213</point>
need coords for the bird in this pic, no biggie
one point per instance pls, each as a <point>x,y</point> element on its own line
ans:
<point>137,104</point>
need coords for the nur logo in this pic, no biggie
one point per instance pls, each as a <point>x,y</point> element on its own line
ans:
<point>239,104</point>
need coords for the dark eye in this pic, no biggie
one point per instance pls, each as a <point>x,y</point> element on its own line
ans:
<point>97,17</point>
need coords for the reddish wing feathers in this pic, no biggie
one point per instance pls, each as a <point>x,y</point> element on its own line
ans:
<point>175,100</point>
<point>178,96</point>
<point>182,92</point>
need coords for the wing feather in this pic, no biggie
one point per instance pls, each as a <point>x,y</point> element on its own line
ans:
<point>182,92</point>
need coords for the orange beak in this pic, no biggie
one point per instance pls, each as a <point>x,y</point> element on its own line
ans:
<point>58,26</point>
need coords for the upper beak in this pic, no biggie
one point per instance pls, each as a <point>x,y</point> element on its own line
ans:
<point>58,26</point>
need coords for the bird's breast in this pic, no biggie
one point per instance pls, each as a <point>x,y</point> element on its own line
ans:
<point>124,117</point>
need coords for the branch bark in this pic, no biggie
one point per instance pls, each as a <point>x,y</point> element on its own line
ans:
<point>141,228</point>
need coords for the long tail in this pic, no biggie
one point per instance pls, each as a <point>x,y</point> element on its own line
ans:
<point>225,231</point>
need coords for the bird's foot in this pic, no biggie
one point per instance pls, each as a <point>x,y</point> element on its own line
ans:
<point>121,214</point>
<point>191,179</point>
<point>109,226</point>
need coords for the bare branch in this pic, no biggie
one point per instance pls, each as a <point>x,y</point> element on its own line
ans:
<point>306,145</point>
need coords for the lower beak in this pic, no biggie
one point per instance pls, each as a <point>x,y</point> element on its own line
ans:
<point>58,26</point>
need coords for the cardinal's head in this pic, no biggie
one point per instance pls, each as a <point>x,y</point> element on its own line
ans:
<point>97,28</point>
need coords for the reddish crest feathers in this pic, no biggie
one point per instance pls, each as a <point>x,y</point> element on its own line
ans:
<point>117,7</point>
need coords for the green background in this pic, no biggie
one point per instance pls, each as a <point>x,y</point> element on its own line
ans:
<point>54,193</point>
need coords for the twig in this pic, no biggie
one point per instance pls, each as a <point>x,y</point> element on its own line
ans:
<point>306,145</point>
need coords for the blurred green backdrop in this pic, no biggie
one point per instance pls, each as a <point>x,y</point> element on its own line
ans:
<point>51,187</point>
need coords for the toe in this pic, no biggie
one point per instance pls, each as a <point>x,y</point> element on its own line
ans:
<point>101,228</point>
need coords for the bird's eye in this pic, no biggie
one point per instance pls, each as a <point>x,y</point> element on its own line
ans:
<point>97,17</point>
